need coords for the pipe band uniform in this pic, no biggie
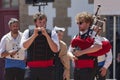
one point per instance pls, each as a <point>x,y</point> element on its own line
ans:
<point>90,45</point>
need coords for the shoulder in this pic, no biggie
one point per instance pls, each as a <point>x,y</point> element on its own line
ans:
<point>62,43</point>
<point>5,36</point>
<point>26,31</point>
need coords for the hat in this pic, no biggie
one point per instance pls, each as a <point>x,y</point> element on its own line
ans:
<point>59,28</point>
<point>12,20</point>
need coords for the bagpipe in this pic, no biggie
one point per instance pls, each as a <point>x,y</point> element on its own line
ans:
<point>79,43</point>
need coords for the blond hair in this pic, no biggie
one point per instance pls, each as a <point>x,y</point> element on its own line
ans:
<point>84,17</point>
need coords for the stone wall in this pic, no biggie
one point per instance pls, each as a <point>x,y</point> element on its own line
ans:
<point>61,19</point>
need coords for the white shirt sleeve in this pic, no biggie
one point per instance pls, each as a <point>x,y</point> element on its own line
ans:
<point>55,38</point>
<point>2,45</point>
<point>25,36</point>
<point>108,59</point>
<point>97,40</point>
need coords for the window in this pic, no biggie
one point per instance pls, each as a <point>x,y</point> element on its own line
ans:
<point>9,3</point>
<point>90,1</point>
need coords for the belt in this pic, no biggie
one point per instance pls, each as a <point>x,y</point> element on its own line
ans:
<point>84,63</point>
<point>40,63</point>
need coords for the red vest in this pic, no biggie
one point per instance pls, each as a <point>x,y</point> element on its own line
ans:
<point>86,43</point>
<point>85,61</point>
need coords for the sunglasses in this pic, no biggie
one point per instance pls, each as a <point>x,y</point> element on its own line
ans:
<point>79,23</point>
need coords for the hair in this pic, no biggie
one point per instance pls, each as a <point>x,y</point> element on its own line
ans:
<point>84,17</point>
<point>39,16</point>
<point>12,20</point>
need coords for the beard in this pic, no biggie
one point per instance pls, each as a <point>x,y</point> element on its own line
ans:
<point>15,31</point>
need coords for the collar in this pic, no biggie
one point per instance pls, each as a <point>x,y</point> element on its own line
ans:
<point>83,32</point>
<point>10,36</point>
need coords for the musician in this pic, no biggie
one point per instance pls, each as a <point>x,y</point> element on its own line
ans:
<point>105,60</point>
<point>13,54</point>
<point>41,44</point>
<point>85,46</point>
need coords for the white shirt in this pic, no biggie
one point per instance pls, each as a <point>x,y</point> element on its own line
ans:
<point>107,57</point>
<point>26,36</point>
<point>8,43</point>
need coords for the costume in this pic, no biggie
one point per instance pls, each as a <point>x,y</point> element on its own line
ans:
<point>14,65</point>
<point>40,58</point>
<point>86,65</point>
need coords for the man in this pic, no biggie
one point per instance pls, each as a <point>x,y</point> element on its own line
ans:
<point>13,54</point>
<point>62,61</point>
<point>104,61</point>
<point>41,45</point>
<point>84,46</point>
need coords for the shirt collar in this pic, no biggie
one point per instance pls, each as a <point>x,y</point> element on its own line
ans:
<point>10,36</point>
<point>83,32</point>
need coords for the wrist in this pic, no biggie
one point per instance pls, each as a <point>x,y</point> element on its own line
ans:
<point>34,36</point>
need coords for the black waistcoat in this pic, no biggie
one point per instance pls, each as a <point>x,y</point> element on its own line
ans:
<point>39,49</point>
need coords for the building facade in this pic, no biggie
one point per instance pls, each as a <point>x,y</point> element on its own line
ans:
<point>60,13</point>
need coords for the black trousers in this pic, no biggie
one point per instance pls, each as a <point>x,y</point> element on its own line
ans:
<point>2,68</point>
<point>98,74</point>
<point>14,74</point>
<point>41,73</point>
<point>84,74</point>
<point>59,69</point>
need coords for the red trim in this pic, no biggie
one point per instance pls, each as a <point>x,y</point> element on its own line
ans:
<point>43,64</point>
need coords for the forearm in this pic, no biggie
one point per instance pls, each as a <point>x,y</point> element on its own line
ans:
<point>28,42</point>
<point>51,43</point>
<point>91,49</point>
<point>4,54</point>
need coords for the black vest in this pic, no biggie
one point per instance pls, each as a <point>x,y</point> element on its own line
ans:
<point>39,49</point>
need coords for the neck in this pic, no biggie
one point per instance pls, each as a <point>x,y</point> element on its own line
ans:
<point>14,35</point>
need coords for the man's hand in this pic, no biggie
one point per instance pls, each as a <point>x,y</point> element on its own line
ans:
<point>12,53</point>
<point>103,71</point>
<point>36,30</point>
<point>77,53</point>
<point>43,30</point>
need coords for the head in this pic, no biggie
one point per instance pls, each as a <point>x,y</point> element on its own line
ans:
<point>98,30</point>
<point>13,25</point>
<point>84,20</point>
<point>40,20</point>
<point>60,32</point>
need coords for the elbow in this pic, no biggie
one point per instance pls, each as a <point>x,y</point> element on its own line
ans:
<point>24,47</point>
<point>55,50</point>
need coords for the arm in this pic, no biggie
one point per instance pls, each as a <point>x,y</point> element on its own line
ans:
<point>2,46</point>
<point>91,49</point>
<point>97,45</point>
<point>65,60</point>
<point>70,54</point>
<point>108,59</point>
<point>107,63</point>
<point>52,41</point>
<point>26,41</point>
<point>52,44</point>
